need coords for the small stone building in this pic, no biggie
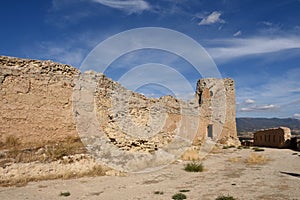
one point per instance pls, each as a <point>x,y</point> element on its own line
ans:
<point>274,137</point>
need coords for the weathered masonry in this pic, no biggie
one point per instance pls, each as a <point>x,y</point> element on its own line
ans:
<point>275,137</point>
<point>37,104</point>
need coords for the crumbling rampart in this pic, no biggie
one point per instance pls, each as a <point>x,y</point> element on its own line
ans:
<point>36,106</point>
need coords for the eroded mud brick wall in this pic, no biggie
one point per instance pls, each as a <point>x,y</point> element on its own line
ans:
<point>36,100</point>
<point>36,106</point>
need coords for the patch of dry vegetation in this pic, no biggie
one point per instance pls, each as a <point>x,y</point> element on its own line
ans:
<point>190,155</point>
<point>216,150</point>
<point>256,159</point>
<point>23,179</point>
<point>43,153</point>
<point>235,159</point>
<point>71,146</point>
<point>11,141</point>
<point>13,156</point>
<point>253,159</point>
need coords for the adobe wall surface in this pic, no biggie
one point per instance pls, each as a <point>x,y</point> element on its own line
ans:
<point>274,137</point>
<point>38,98</point>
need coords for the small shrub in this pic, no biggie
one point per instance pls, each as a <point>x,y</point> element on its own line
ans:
<point>257,149</point>
<point>228,147</point>
<point>194,167</point>
<point>179,196</point>
<point>184,190</point>
<point>159,192</point>
<point>65,194</point>
<point>225,198</point>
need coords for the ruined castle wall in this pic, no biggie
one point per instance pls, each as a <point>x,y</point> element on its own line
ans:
<point>134,122</point>
<point>37,99</point>
<point>216,98</point>
<point>36,103</point>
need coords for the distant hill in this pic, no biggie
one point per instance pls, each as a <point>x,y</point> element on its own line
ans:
<point>254,124</point>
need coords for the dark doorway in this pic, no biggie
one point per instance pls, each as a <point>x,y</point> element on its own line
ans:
<point>210,131</point>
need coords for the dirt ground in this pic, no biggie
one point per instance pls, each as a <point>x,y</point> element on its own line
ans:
<point>227,172</point>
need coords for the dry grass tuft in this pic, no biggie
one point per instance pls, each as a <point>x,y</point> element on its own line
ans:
<point>11,141</point>
<point>190,155</point>
<point>71,146</point>
<point>256,159</point>
<point>48,153</point>
<point>216,150</point>
<point>235,159</point>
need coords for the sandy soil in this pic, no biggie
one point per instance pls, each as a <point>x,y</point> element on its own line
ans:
<point>226,173</point>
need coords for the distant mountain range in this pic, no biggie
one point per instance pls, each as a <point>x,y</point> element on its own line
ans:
<point>254,124</point>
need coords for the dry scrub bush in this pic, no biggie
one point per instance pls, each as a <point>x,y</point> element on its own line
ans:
<point>11,141</point>
<point>255,159</point>
<point>71,146</point>
<point>190,155</point>
<point>51,152</point>
<point>223,197</point>
<point>194,167</point>
<point>235,159</point>
<point>179,196</point>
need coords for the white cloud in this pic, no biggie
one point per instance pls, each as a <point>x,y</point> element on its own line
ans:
<point>278,90</point>
<point>129,6</point>
<point>234,48</point>
<point>214,17</point>
<point>249,101</point>
<point>59,4</point>
<point>259,108</point>
<point>65,55</point>
<point>266,23</point>
<point>238,33</point>
<point>297,115</point>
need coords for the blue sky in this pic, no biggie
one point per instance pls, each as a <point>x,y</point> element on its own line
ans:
<point>257,43</point>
